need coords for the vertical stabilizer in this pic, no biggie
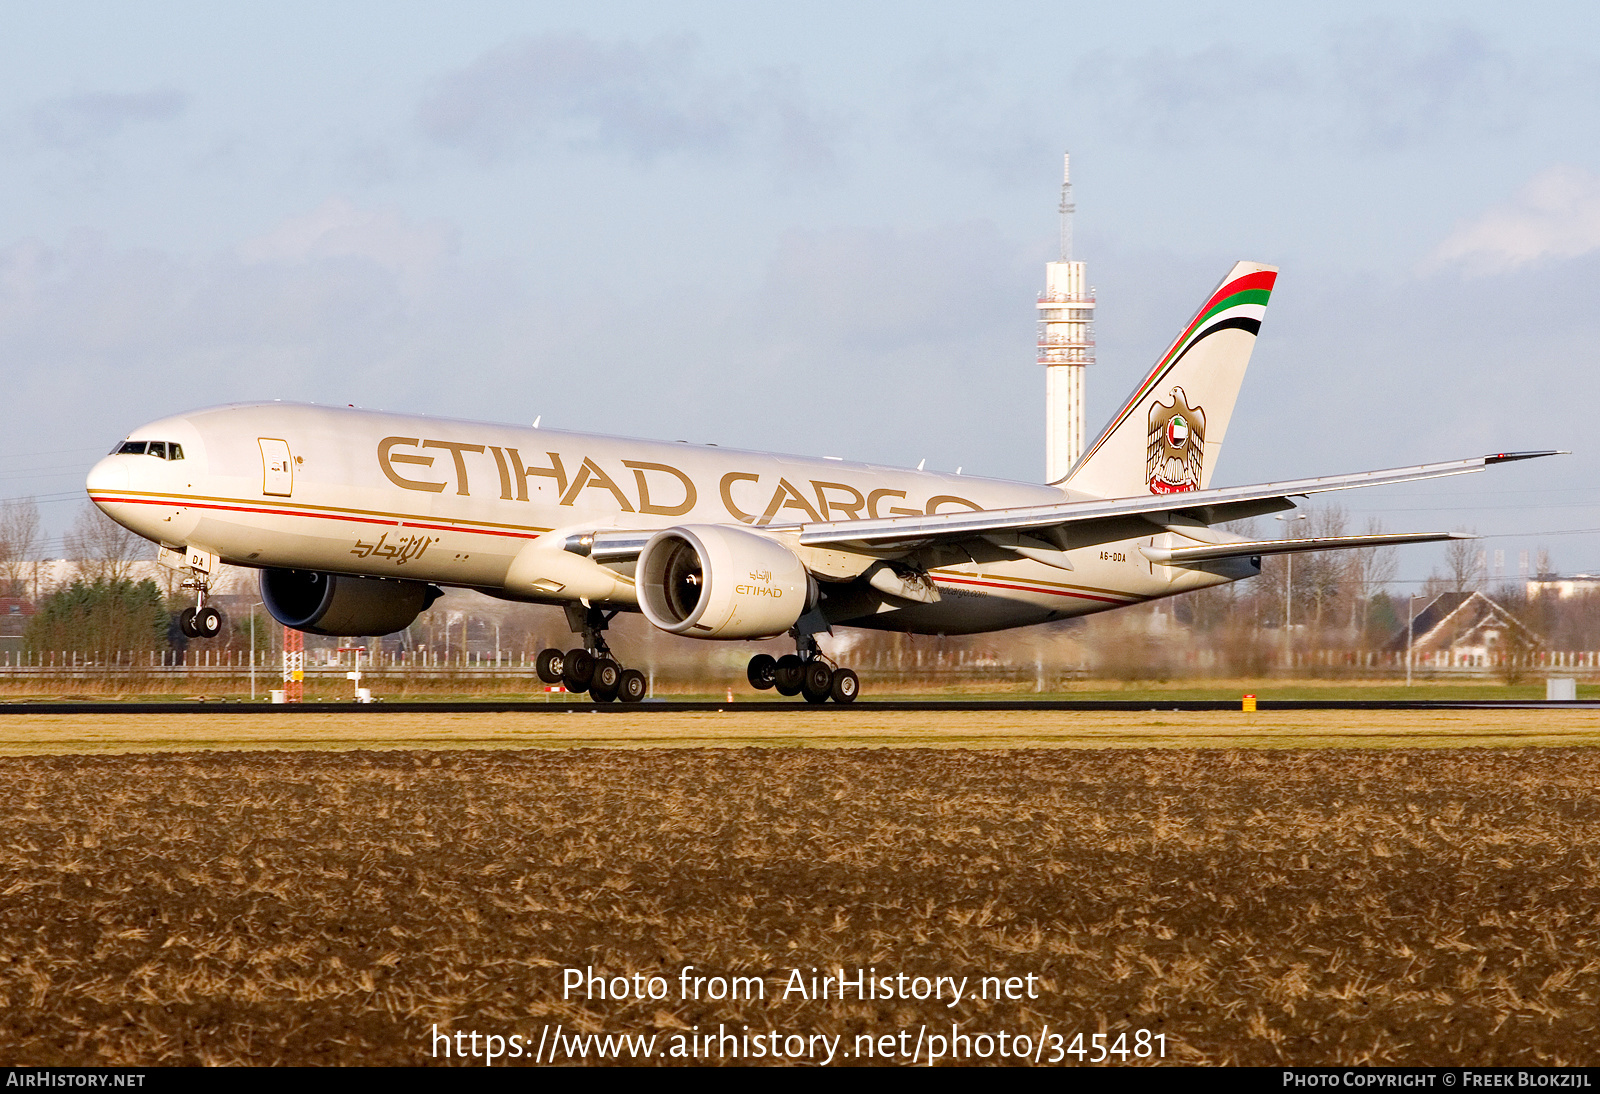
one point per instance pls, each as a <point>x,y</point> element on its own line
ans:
<point>1167,437</point>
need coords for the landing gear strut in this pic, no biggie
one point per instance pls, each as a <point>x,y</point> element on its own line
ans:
<point>591,667</point>
<point>805,672</point>
<point>202,620</point>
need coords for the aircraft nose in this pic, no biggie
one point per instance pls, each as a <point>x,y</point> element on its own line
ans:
<point>108,476</point>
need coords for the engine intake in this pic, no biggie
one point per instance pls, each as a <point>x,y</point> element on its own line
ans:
<point>337,604</point>
<point>708,581</point>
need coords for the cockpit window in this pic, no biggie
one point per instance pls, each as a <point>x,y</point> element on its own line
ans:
<point>165,450</point>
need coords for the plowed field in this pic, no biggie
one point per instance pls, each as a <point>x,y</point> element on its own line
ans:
<point>1259,907</point>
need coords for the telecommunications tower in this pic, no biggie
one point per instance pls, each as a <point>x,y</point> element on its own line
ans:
<point>1066,344</point>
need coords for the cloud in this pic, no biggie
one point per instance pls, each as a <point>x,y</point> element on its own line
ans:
<point>643,100</point>
<point>78,121</point>
<point>1555,216</point>
<point>1377,85</point>
<point>878,290</point>
<point>1396,88</point>
<point>340,301</point>
<point>338,229</point>
<point>1191,98</point>
<point>959,111</point>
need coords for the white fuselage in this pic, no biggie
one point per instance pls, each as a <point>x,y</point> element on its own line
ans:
<point>348,491</point>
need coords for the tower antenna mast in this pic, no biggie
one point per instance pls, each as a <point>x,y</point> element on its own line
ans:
<point>1066,344</point>
<point>1067,207</point>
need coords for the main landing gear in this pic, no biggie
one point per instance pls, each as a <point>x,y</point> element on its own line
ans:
<point>202,620</point>
<point>590,667</point>
<point>804,672</point>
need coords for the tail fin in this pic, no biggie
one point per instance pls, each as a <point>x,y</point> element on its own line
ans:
<point>1167,437</point>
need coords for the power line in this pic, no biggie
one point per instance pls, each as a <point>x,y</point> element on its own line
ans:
<point>50,452</point>
<point>1475,508</point>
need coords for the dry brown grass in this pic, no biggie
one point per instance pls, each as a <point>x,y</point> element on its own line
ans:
<point>1309,907</point>
<point>784,725</point>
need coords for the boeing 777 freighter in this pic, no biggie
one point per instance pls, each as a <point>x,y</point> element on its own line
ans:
<point>355,518</point>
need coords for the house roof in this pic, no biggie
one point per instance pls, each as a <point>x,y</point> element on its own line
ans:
<point>1454,619</point>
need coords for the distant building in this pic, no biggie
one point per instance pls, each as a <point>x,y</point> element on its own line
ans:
<point>14,615</point>
<point>1469,627</point>
<point>1563,588</point>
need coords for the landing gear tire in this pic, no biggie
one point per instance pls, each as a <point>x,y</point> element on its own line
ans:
<point>548,665</point>
<point>790,673</point>
<point>577,670</point>
<point>186,623</point>
<point>632,685</point>
<point>762,671</point>
<point>816,681</point>
<point>606,679</point>
<point>846,686</point>
<point>207,623</point>
<point>590,667</point>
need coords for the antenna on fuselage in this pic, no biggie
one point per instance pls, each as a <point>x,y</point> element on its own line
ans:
<point>537,420</point>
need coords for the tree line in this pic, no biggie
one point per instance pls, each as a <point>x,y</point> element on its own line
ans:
<point>1316,600</point>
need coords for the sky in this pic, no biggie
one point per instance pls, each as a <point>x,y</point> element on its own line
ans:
<point>816,229</point>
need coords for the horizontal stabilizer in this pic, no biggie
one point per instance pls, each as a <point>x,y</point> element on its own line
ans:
<point>1179,556</point>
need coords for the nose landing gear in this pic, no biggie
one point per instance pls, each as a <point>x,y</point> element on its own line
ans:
<point>591,667</point>
<point>202,620</point>
<point>804,672</point>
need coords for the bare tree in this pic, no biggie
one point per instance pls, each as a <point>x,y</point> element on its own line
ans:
<point>1323,573</point>
<point>19,542</point>
<point>103,549</point>
<point>1463,565</point>
<point>1370,571</point>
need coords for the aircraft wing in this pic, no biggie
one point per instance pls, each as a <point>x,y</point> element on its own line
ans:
<point>1179,556</point>
<point>1073,524</point>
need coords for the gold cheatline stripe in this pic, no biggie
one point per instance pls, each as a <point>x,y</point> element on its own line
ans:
<point>265,502</point>
<point>288,503</point>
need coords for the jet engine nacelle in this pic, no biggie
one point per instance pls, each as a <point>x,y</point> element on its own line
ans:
<point>337,604</point>
<point>710,581</point>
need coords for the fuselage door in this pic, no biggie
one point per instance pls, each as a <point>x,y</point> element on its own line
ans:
<point>277,467</point>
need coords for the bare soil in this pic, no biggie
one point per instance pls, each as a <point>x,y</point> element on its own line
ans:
<point>1266,906</point>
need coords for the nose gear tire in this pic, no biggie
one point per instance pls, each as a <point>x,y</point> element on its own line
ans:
<point>208,623</point>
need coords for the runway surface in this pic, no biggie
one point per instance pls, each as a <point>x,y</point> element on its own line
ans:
<point>541,706</point>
